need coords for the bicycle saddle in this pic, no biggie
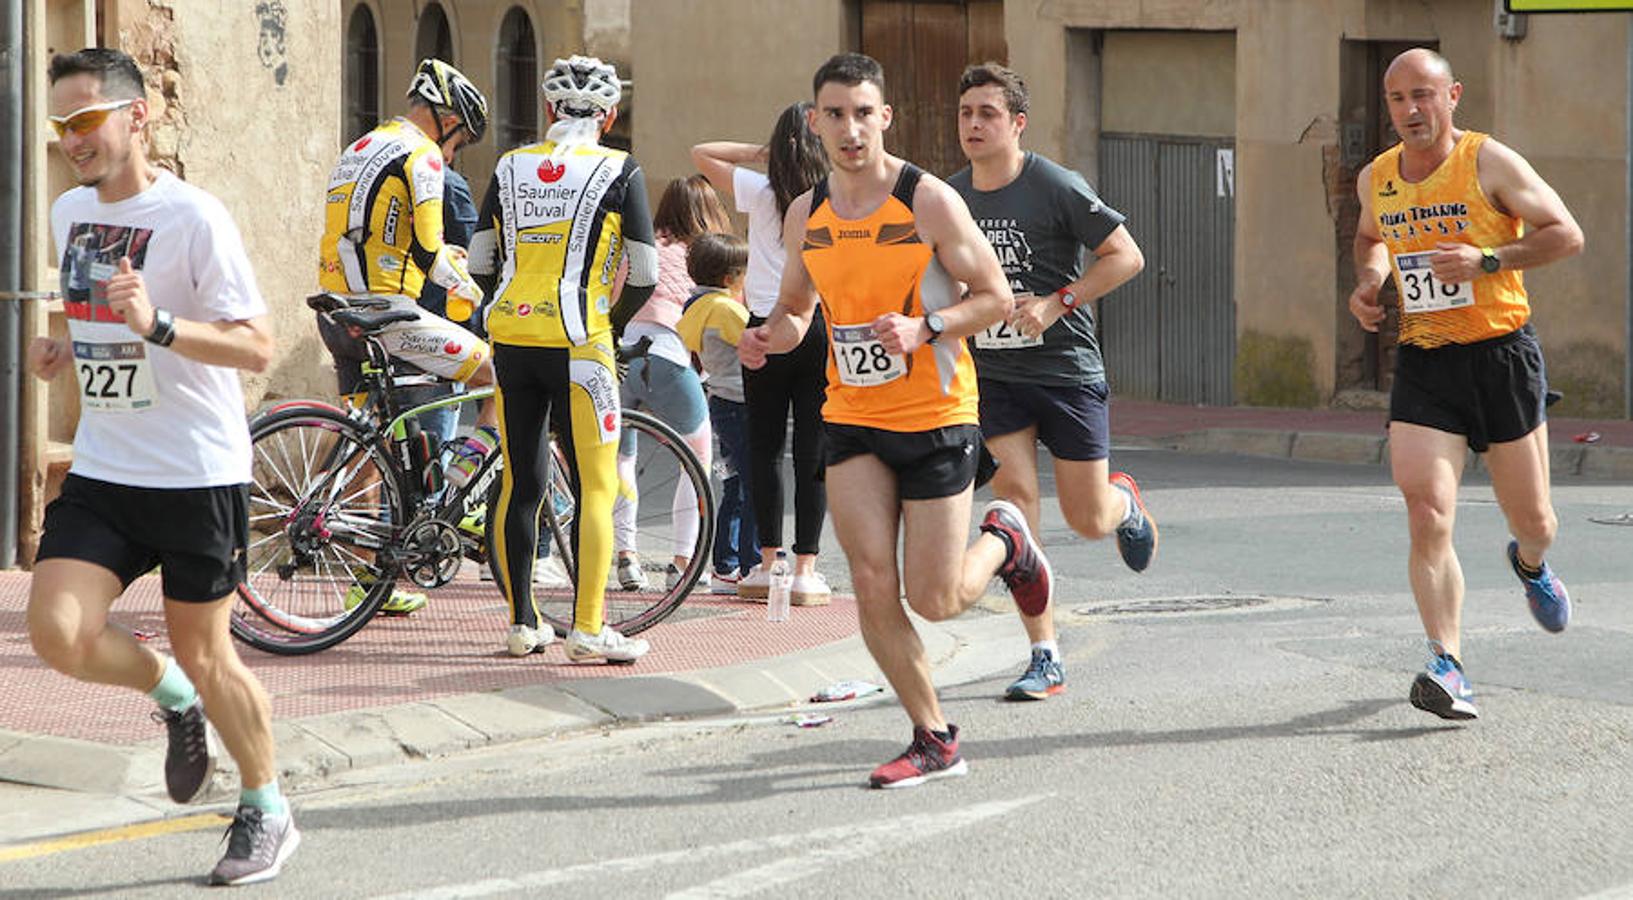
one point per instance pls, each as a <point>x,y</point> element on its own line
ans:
<point>372,321</point>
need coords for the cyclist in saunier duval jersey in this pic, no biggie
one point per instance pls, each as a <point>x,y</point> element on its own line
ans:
<point>383,237</point>
<point>559,220</point>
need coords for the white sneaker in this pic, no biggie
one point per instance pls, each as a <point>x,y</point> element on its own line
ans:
<point>547,573</point>
<point>756,585</point>
<point>608,645</point>
<point>672,575</point>
<point>523,640</point>
<point>725,584</point>
<point>810,590</point>
<point>628,574</point>
<point>550,573</point>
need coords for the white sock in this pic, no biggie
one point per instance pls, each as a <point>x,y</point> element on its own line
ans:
<point>1128,506</point>
<point>1052,646</point>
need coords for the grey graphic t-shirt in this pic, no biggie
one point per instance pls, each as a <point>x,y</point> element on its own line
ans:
<point>1041,225</point>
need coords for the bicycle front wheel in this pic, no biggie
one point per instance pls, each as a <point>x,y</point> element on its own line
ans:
<point>663,522</point>
<point>324,509</point>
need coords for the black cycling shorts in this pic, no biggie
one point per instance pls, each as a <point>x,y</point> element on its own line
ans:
<point>197,535</point>
<point>1491,391</point>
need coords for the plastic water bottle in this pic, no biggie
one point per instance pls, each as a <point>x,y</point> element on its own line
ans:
<point>468,455</point>
<point>782,589</point>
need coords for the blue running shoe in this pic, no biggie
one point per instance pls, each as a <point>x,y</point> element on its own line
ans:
<point>1442,689</point>
<point>1136,538</point>
<point>1550,605</point>
<point>1044,678</point>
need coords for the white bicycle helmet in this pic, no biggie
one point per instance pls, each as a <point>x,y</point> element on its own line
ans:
<point>581,87</point>
<point>444,87</point>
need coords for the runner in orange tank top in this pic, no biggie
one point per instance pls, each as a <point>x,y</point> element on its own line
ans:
<point>1442,213</point>
<point>886,245</point>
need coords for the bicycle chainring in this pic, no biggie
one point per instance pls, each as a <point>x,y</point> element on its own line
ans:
<point>431,553</point>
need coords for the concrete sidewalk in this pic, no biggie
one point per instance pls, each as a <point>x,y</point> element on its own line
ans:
<point>1593,448</point>
<point>434,683</point>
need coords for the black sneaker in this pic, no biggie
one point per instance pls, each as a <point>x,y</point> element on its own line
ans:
<point>188,762</point>
<point>257,846</point>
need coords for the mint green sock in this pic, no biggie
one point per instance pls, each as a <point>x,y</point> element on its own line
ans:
<point>267,798</point>
<point>174,691</point>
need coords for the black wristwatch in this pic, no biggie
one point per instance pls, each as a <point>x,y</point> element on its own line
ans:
<point>933,322</point>
<point>1489,263</point>
<point>164,328</point>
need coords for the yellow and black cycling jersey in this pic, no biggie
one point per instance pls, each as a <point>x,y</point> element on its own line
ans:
<point>382,229</point>
<point>557,223</point>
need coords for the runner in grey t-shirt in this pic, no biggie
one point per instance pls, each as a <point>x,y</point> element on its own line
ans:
<point>1039,224</point>
<point>1041,375</point>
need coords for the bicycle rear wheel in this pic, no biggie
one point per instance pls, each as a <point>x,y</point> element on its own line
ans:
<point>667,509</point>
<point>324,508</point>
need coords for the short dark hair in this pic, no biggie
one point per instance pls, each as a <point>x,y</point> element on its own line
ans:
<point>121,79</point>
<point>983,74</point>
<point>849,69</point>
<point>715,257</point>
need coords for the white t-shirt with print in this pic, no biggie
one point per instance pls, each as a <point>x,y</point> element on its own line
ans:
<point>753,193</point>
<point>150,417</point>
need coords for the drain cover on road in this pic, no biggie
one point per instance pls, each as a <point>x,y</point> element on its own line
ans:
<point>1191,605</point>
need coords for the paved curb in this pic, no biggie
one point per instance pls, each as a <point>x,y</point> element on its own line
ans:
<point>1586,460</point>
<point>313,748</point>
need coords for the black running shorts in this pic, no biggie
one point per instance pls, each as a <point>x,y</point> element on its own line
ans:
<point>928,464</point>
<point>197,535</point>
<point>1491,391</point>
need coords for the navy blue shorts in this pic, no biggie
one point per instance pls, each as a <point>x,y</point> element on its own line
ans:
<point>1491,391</point>
<point>197,535</point>
<point>928,464</point>
<point>1072,420</point>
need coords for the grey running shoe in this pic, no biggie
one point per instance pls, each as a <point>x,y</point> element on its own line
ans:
<point>188,763</point>
<point>257,847</point>
<point>1044,678</point>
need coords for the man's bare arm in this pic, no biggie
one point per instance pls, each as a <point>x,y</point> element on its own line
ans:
<point>1551,232</point>
<point>1371,260</point>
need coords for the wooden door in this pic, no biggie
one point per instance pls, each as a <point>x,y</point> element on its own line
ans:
<point>924,46</point>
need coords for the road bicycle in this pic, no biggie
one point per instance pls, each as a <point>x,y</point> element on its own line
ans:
<point>344,502</point>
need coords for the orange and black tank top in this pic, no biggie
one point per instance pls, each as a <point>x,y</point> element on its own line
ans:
<point>864,268</point>
<point>1448,205</point>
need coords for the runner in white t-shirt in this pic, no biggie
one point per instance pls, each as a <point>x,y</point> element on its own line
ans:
<point>797,380</point>
<point>162,310</point>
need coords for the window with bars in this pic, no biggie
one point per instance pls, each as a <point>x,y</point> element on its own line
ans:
<point>435,39</point>
<point>362,74</point>
<point>517,122</point>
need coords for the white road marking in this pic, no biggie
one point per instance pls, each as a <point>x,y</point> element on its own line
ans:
<point>824,846</point>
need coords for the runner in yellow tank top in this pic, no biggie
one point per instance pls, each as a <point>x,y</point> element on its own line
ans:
<point>1442,213</point>
<point>885,244</point>
<point>1447,205</point>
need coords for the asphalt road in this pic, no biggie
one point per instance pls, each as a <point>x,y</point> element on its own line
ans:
<point>1236,726</point>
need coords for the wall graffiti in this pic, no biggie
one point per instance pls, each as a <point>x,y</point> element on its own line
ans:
<point>270,47</point>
